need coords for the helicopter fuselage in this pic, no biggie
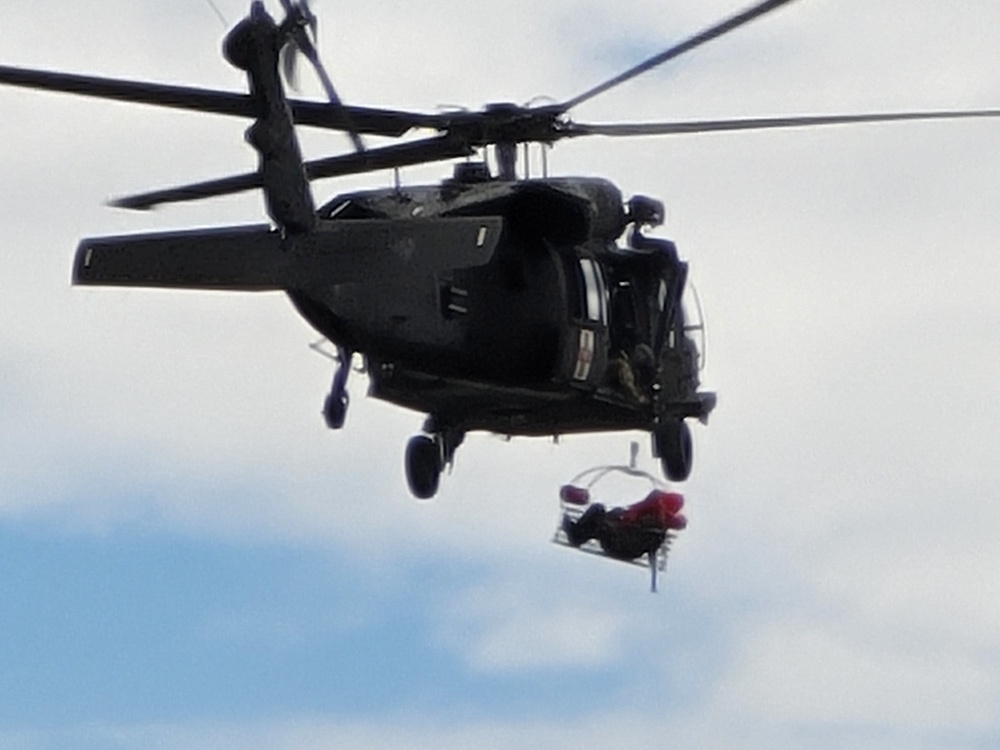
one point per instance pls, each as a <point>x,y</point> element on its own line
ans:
<point>556,333</point>
<point>504,306</point>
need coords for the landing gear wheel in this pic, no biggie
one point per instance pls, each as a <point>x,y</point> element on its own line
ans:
<point>672,443</point>
<point>423,466</point>
<point>335,405</point>
<point>335,410</point>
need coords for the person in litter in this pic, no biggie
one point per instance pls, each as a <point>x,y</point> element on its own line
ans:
<point>631,532</point>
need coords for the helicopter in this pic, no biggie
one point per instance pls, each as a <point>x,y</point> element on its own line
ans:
<point>489,302</point>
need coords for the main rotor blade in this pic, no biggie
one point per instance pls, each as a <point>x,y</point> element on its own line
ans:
<point>573,129</point>
<point>391,123</point>
<point>196,191</point>
<point>177,97</point>
<point>440,148</point>
<point>697,40</point>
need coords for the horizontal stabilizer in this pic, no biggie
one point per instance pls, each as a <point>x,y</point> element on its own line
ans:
<point>257,258</point>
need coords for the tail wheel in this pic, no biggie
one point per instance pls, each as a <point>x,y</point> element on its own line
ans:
<point>335,410</point>
<point>672,443</point>
<point>423,466</point>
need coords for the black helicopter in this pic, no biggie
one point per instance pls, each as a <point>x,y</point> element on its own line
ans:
<point>488,302</point>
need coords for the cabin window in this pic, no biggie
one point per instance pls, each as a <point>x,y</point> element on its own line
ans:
<point>595,294</point>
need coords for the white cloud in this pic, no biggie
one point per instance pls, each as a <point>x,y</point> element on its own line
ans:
<point>601,729</point>
<point>515,627</point>
<point>797,672</point>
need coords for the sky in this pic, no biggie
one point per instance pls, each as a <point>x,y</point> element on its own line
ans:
<point>188,558</point>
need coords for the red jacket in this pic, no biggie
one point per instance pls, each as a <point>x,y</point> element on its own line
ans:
<point>659,508</point>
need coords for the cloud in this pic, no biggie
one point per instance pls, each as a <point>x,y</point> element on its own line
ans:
<point>808,674</point>
<point>602,728</point>
<point>513,628</point>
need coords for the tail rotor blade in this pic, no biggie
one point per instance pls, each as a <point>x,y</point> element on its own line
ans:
<point>303,33</point>
<point>289,66</point>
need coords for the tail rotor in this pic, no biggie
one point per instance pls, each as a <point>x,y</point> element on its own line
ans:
<point>301,29</point>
